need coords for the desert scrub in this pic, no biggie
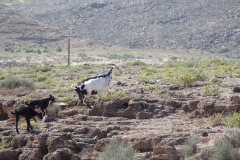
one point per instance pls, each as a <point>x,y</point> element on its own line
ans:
<point>3,75</point>
<point>210,90</point>
<point>149,75</point>
<point>46,68</point>
<point>215,120</point>
<point>113,95</point>
<point>232,120</point>
<point>223,49</point>
<point>91,72</point>
<point>150,88</point>
<point>5,144</point>
<point>135,63</point>
<point>27,97</point>
<point>227,146</point>
<point>189,147</point>
<point>13,82</point>
<point>60,90</point>
<point>41,78</point>
<point>117,151</point>
<point>23,125</point>
<point>65,99</point>
<point>186,79</point>
<point>81,79</point>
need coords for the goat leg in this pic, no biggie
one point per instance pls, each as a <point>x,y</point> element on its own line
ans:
<point>89,106</point>
<point>17,119</point>
<point>28,124</point>
<point>97,102</point>
<point>34,119</point>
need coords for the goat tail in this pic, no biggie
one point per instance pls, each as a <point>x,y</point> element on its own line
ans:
<point>12,113</point>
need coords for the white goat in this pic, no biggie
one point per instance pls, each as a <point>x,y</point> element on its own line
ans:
<point>95,85</point>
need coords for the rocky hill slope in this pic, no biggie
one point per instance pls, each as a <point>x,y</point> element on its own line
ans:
<point>203,24</point>
<point>17,29</point>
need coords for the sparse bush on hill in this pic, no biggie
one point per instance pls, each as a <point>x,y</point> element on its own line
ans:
<point>211,90</point>
<point>189,147</point>
<point>223,49</point>
<point>12,82</point>
<point>113,96</point>
<point>227,147</point>
<point>135,63</point>
<point>117,151</point>
<point>215,120</point>
<point>5,144</point>
<point>59,49</point>
<point>232,120</point>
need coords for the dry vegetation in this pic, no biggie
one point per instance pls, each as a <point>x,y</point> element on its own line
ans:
<point>196,74</point>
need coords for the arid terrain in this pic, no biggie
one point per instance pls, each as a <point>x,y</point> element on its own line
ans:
<point>151,114</point>
<point>177,98</point>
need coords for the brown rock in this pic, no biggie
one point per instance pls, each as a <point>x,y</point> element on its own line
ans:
<point>9,154</point>
<point>143,115</point>
<point>192,105</point>
<point>60,154</point>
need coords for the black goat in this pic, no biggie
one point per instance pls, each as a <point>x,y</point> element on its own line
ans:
<point>28,113</point>
<point>40,103</point>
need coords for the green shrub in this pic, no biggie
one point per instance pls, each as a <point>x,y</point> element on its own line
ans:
<point>190,147</point>
<point>5,144</point>
<point>46,50</point>
<point>222,151</point>
<point>211,90</point>
<point>227,146</point>
<point>232,120</point>
<point>223,49</point>
<point>41,78</point>
<point>113,95</point>
<point>65,99</point>
<point>27,97</point>
<point>91,72</point>
<point>187,79</point>
<point>135,63</point>
<point>59,49</point>
<point>23,125</point>
<point>46,68</point>
<point>117,151</point>
<point>59,90</point>
<point>14,82</point>
<point>81,79</point>
<point>215,120</point>
<point>29,50</point>
<point>150,88</point>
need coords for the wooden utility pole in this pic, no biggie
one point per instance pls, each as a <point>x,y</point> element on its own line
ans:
<point>69,51</point>
<point>155,42</point>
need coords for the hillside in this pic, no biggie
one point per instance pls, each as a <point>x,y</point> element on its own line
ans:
<point>18,30</point>
<point>204,24</point>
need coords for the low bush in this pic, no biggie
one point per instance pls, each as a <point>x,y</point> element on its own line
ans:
<point>5,144</point>
<point>215,120</point>
<point>12,82</point>
<point>117,151</point>
<point>211,90</point>
<point>232,120</point>
<point>113,95</point>
<point>223,49</point>
<point>227,147</point>
<point>189,147</point>
<point>65,99</point>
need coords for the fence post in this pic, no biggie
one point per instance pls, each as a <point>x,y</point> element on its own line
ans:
<point>69,51</point>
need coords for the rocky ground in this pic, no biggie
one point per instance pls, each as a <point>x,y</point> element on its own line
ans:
<point>155,123</point>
